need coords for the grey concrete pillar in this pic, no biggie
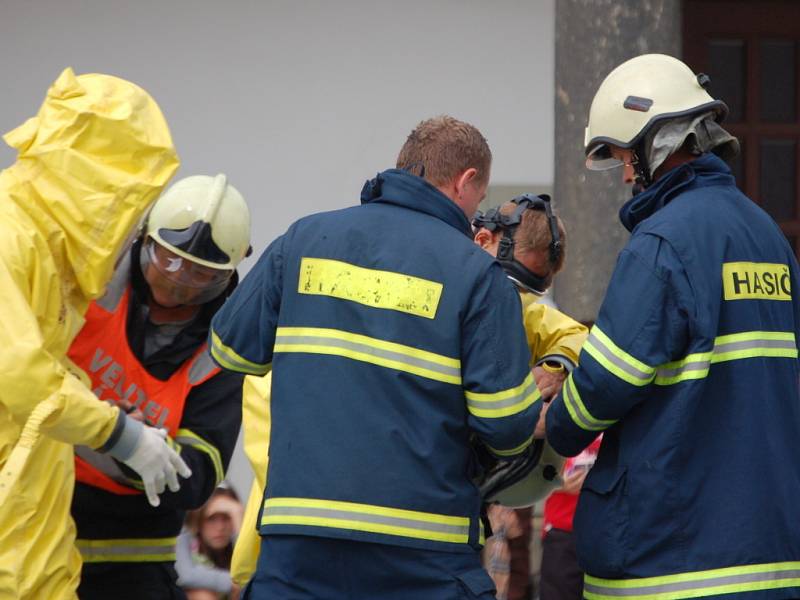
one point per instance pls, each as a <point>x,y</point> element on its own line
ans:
<point>593,37</point>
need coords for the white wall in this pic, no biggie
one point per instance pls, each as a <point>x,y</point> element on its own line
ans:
<point>300,101</point>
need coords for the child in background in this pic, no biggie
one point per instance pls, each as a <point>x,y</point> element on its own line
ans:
<point>205,547</point>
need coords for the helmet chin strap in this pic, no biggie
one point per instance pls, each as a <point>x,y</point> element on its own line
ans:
<point>641,169</point>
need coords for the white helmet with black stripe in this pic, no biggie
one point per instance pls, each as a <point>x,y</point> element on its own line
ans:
<point>638,96</point>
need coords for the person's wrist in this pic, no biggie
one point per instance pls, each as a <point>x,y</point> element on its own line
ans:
<point>552,366</point>
<point>125,445</point>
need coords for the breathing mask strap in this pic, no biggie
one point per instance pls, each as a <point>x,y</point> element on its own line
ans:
<point>515,270</point>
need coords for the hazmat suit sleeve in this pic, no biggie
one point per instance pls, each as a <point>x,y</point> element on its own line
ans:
<point>643,323</point>
<point>500,393</point>
<point>256,423</point>
<point>552,335</point>
<point>30,376</point>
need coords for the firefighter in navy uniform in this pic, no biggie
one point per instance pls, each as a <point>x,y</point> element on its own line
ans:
<point>390,336</point>
<point>144,348</point>
<point>691,368</point>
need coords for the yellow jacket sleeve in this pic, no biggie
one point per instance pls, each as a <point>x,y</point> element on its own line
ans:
<point>552,335</point>
<point>32,370</point>
<point>256,425</point>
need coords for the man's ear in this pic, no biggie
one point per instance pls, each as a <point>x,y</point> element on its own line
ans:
<point>484,238</point>
<point>466,177</point>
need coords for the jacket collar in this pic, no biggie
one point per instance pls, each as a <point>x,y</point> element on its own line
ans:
<point>401,188</point>
<point>705,170</point>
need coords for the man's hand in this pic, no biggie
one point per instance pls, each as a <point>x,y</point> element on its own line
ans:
<point>549,382</point>
<point>539,432</point>
<point>235,592</point>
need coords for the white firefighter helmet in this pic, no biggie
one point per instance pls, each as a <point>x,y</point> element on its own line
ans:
<point>638,94</point>
<point>521,481</point>
<point>536,485</point>
<point>202,219</point>
<point>196,234</point>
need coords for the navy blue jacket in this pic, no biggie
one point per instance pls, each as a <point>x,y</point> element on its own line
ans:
<point>391,336</point>
<point>691,370</point>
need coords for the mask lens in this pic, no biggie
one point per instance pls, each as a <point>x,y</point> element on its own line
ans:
<point>186,281</point>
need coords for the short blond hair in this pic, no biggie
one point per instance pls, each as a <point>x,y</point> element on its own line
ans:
<point>533,234</point>
<point>445,147</point>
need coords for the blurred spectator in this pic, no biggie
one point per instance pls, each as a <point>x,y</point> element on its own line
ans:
<point>205,547</point>
<point>561,578</point>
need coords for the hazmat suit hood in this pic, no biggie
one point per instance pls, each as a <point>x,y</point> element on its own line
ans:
<point>89,165</point>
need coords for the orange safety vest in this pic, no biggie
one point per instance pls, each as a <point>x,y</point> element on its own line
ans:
<point>101,349</point>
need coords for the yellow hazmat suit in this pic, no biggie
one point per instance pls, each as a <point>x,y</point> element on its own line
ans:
<point>552,336</point>
<point>89,165</point>
<point>256,424</point>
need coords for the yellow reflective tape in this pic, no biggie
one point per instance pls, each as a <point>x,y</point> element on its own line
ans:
<point>367,349</point>
<point>168,557</point>
<point>694,366</point>
<point>756,281</point>
<point>639,365</point>
<point>696,584</point>
<point>577,409</point>
<point>365,517</point>
<point>501,395</point>
<point>512,451</point>
<point>127,550</point>
<point>505,402</point>
<point>232,361</point>
<point>753,353</point>
<point>746,336</point>
<point>734,346</point>
<point>615,360</point>
<point>195,441</point>
<point>369,509</point>
<point>756,586</point>
<point>364,526</point>
<point>370,341</point>
<point>370,287</point>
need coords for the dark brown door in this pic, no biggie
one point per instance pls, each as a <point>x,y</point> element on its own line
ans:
<point>751,51</point>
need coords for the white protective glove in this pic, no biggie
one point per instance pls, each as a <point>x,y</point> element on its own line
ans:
<point>144,449</point>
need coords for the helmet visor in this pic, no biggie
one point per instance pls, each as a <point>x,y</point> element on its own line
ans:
<point>180,279</point>
<point>600,159</point>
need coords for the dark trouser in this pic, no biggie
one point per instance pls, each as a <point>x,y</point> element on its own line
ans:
<point>306,568</point>
<point>129,581</point>
<point>562,579</point>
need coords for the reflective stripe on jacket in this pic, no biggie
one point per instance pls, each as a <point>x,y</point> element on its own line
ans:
<point>133,550</point>
<point>691,370</point>
<point>390,336</point>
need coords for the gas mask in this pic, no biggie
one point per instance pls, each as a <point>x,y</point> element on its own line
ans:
<point>493,220</point>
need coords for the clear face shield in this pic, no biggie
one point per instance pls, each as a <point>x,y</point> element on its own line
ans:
<point>600,158</point>
<point>175,280</point>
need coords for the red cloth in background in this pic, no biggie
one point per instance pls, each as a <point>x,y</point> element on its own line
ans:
<point>559,508</point>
